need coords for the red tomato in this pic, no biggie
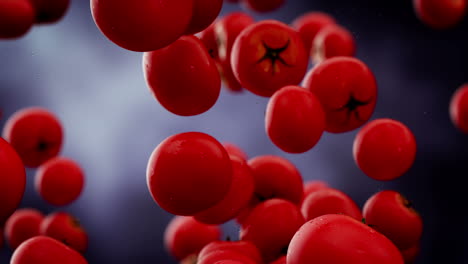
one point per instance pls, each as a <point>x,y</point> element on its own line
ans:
<point>263,5</point>
<point>333,41</point>
<point>245,248</point>
<point>314,185</point>
<point>281,260</point>
<point>208,37</point>
<point>183,77</point>
<point>45,250</point>
<point>459,108</point>
<point>384,149</point>
<point>16,18</point>
<point>12,180</point>
<point>392,215</point>
<point>294,119</point>
<point>226,257</point>
<point>267,56</point>
<point>188,173</point>
<point>411,254</point>
<point>329,201</point>
<point>50,11</point>
<point>309,24</point>
<point>22,225</point>
<point>347,90</point>
<point>204,13</point>
<point>66,229</point>
<point>440,14</point>
<point>338,239</point>
<point>185,236</point>
<point>235,150</point>
<point>35,133</point>
<point>59,181</point>
<point>276,177</point>
<point>227,29</point>
<point>238,197</point>
<point>143,25</point>
<point>270,226</point>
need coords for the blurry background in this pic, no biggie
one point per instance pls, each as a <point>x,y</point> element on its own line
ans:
<point>112,123</point>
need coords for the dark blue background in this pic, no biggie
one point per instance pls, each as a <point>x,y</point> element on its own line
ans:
<point>112,123</point>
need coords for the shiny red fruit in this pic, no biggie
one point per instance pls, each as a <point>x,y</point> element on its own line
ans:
<point>188,173</point>
<point>66,229</point>
<point>238,197</point>
<point>267,56</point>
<point>309,24</point>
<point>235,150</point>
<point>393,215</point>
<point>333,41</point>
<point>384,149</point>
<point>314,185</point>
<point>440,14</point>
<point>338,239</point>
<point>271,225</point>
<point>204,13</point>
<point>35,133</point>
<point>281,260</point>
<point>411,254</point>
<point>22,225</point>
<point>50,11</point>
<point>143,25</point>
<point>459,108</point>
<point>45,250</point>
<point>183,77</point>
<point>59,181</point>
<point>244,248</point>
<point>263,5</point>
<point>294,119</point>
<point>329,201</point>
<point>185,236</point>
<point>12,180</point>
<point>276,177</point>
<point>208,37</point>
<point>16,18</point>
<point>347,90</point>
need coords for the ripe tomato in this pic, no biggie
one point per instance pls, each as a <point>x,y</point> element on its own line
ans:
<point>204,13</point>
<point>294,119</point>
<point>333,41</point>
<point>66,229</point>
<point>16,18</point>
<point>338,239</point>
<point>267,56</point>
<point>12,180</point>
<point>50,11</point>
<point>22,225</point>
<point>440,14</point>
<point>384,149</point>
<point>459,108</point>
<point>143,25</point>
<point>347,90</point>
<point>183,77</point>
<point>188,173</point>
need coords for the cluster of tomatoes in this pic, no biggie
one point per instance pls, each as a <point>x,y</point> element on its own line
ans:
<point>188,52</point>
<point>18,16</point>
<point>33,138</point>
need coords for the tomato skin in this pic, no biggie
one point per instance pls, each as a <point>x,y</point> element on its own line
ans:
<point>390,213</point>
<point>245,248</point>
<point>309,24</point>
<point>333,41</point>
<point>347,90</point>
<point>204,13</point>
<point>59,181</point>
<point>276,177</point>
<point>22,225</point>
<point>337,239</point>
<point>411,254</point>
<point>183,77</point>
<point>281,260</point>
<point>384,149</point>
<point>35,133</point>
<point>279,215</point>
<point>252,63</point>
<point>188,173</point>
<point>314,185</point>
<point>459,108</point>
<point>440,14</point>
<point>238,197</point>
<point>16,18</point>
<point>263,5</point>
<point>45,250</point>
<point>329,201</point>
<point>66,229</point>
<point>50,11</point>
<point>144,25</point>
<point>12,180</point>
<point>294,119</point>
<point>235,150</point>
<point>185,236</point>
